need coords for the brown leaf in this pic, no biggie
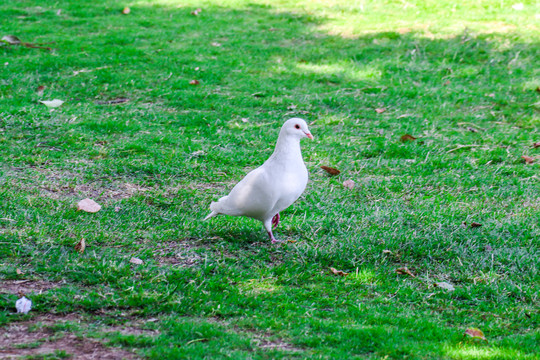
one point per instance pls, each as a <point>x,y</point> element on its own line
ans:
<point>475,333</point>
<point>464,224</point>
<point>40,89</point>
<point>475,224</point>
<point>136,261</point>
<point>536,145</point>
<point>18,271</point>
<point>405,271</point>
<point>330,170</point>
<point>81,246</point>
<point>380,110</point>
<point>88,205</point>
<point>407,137</point>
<point>538,89</point>
<point>126,10</point>
<point>349,184</point>
<point>113,101</point>
<point>528,159</point>
<point>196,12</point>
<point>338,272</point>
<point>194,82</point>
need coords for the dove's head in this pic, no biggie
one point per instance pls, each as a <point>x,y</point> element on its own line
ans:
<point>297,127</point>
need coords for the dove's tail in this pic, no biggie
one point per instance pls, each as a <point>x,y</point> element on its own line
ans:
<point>211,215</point>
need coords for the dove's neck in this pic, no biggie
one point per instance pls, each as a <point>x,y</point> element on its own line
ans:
<point>287,150</point>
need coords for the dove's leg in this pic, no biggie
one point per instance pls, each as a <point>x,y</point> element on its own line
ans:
<point>268,226</point>
<point>275,220</point>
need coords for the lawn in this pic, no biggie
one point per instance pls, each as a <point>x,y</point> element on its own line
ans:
<point>137,134</point>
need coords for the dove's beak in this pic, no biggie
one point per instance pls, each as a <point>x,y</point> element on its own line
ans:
<point>309,135</point>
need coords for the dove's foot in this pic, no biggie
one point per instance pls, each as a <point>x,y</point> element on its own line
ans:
<point>272,238</point>
<point>275,220</point>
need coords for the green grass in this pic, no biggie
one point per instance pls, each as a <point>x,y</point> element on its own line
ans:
<point>219,289</point>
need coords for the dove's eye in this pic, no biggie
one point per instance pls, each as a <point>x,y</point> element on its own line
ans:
<point>297,126</point>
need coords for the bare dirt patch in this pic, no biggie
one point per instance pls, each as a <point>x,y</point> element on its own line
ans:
<point>37,337</point>
<point>180,254</point>
<point>27,286</point>
<point>29,338</point>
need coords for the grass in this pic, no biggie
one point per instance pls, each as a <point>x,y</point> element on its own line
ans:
<point>462,78</point>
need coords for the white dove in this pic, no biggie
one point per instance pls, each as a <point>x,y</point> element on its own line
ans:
<point>272,187</point>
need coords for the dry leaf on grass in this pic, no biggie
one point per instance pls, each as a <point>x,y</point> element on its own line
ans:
<point>464,224</point>
<point>126,10</point>
<point>475,224</point>
<point>18,271</point>
<point>338,272</point>
<point>407,137</point>
<point>196,12</point>
<point>136,261</point>
<point>39,90</point>
<point>475,333</point>
<point>405,271</point>
<point>11,40</point>
<point>380,110</point>
<point>349,184</point>
<point>528,159</point>
<point>445,285</point>
<point>88,205</point>
<point>330,170</point>
<point>536,145</point>
<point>81,246</point>
<point>194,82</point>
<point>52,103</point>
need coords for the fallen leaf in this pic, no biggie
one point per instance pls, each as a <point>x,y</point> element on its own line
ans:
<point>475,333</point>
<point>405,271</point>
<point>475,224</point>
<point>349,184</point>
<point>136,261</point>
<point>23,305</point>
<point>18,271</point>
<point>52,103</point>
<point>126,10</point>
<point>407,137</point>
<point>464,224</point>
<point>196,12</point>
<point>80,246</point>
<point>40,89</point>
<point>244,120</point>
<point>445,285</point>
<point>330,170</point>
<point>380,110</point>
<point>386,252</point>
<point>338,272</point>
<point>528,159</point>
<point>113,101</point>
<point>536,145</point>
<point>194,82</point>
<point>11,40</point>
<point>88,205</point>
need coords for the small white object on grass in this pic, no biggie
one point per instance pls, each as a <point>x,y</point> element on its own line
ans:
<point>23,305</point>
<point>272,187</point>
<point>52,103</point>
